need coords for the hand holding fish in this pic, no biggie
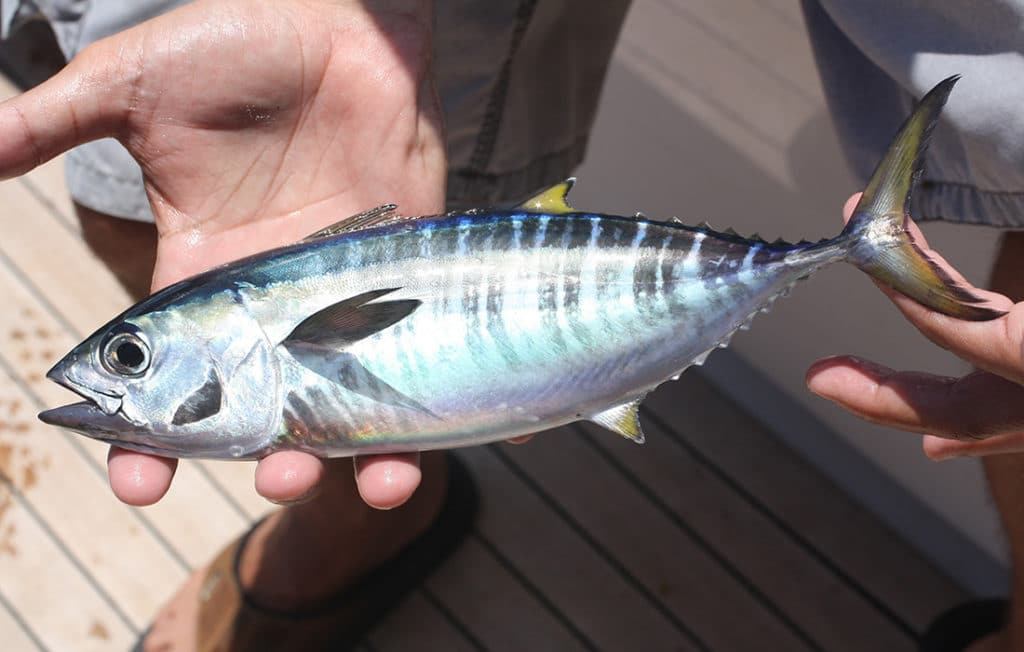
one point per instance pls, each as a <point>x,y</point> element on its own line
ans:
<point>981,413</point>
<point>255,124</point>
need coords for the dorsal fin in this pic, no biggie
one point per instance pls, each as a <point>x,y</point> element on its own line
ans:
<point>552,200</point>
<point>374,217</point>
<point>623,419</point>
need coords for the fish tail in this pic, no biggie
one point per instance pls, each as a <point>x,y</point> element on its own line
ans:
<point>876,236</point>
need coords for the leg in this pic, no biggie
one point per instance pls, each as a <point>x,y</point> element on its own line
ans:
<point>1005,473</point>
<point>127,248</point>
<point>303,555</point>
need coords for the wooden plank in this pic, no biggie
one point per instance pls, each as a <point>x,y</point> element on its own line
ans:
<point>193,515</point>
<point>55,223</point>
<point>46,185</point>
<point>831,613</point>
<point>662,556</point>
<point>72,498</point>
<point>494,606</point>
<point>51,595</point>
<point>591,593</point>
<point>13,633</point>
<point>47,180</point>
<point>416,624</point>
<point>720,434</point>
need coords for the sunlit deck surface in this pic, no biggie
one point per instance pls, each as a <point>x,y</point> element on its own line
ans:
<point>712,536</point>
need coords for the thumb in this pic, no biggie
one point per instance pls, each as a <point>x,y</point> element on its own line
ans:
<point>88,99</point>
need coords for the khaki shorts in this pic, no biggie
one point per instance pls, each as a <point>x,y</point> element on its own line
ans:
<point>519,85</point>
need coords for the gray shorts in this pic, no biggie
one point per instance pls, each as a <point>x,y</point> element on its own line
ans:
<point>876,56</point>
<point>518,103</point>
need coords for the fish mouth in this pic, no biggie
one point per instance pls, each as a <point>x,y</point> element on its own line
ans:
<point>107,402</point>
<point>97,417</point>
<point>87,419</point>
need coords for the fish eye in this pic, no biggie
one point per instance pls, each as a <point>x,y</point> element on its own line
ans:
<point>126,354</point>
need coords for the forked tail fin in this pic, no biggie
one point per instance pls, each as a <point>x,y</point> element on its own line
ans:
<point>879,241</point>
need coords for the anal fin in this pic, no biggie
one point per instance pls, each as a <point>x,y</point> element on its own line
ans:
<point>623,419</point>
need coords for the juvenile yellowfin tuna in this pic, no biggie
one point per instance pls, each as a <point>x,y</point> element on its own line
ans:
<point>386,334</point>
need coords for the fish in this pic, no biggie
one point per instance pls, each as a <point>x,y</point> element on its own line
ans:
<point>385,333</point>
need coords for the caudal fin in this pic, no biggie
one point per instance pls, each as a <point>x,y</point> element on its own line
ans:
<point>880,242</point>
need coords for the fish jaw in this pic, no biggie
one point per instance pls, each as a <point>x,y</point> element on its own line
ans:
<point>88,419</point>
<point>108,403</point>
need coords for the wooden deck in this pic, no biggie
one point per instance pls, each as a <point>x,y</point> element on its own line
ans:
<point>713,536</point>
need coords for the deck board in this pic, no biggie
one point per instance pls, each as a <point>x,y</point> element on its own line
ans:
<point>666,560</point>
<point>412,623</point>
<point>713,536</point>
<point>855,544</point>
<point>588,588</point>
<point>61,605</point>
<point>14,633</point>
<point>492,604</point>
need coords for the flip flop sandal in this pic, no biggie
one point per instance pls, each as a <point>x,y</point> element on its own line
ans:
<point>229,621</point>
<point>956,629</point>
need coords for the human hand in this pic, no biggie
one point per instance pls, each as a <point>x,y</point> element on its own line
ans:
<point>255,124</point>
<point>981,413</point>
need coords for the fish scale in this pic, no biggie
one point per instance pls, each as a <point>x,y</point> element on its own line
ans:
<point>384,333</point>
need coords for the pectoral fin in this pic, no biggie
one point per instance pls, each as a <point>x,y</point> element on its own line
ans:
<point>623,419</point>
<point>351,320</point>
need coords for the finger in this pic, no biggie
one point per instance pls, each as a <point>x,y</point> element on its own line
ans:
<point>851,203</point>
<point>994,346</point>
<point>288,477</point>
<point>137,478</point>
<point>977,406</point>
<point>88,99</point>
<point>387,481</point>
<point>940,448</point>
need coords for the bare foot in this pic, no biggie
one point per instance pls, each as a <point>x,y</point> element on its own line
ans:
<point>304,554</point>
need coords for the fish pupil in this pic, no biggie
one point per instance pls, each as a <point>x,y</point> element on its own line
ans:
<point>130,355</point>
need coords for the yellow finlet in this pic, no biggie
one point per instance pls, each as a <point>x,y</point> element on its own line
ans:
<point>623,419</point>
<point>551,200</point>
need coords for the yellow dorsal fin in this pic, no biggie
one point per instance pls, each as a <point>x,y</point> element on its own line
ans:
<point>551,200</point>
